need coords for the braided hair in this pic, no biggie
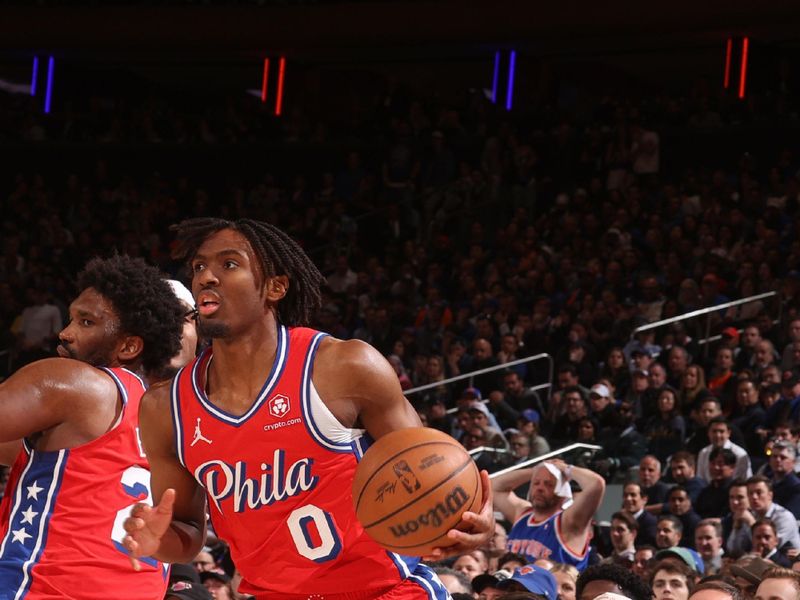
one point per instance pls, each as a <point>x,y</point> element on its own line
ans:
<point>276,254</point>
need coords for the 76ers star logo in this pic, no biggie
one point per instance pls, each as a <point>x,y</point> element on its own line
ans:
<point>279,406</point>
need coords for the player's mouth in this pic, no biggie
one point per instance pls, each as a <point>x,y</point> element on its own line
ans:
<point>63,352</point>
<point>207,303</point>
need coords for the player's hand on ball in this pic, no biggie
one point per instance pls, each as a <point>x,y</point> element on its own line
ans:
<point>475,529</point>
<point>146,525</point>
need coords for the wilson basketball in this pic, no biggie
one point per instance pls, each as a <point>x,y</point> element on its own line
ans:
<point>411,488</point>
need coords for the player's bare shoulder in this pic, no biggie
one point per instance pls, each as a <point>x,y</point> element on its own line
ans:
<point>155,403</point>
<point>346,364</point>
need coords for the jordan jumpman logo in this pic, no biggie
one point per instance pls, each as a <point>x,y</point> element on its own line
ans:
<point>198,436</point>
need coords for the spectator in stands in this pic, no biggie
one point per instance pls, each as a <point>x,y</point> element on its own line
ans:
<point>671,580</point>
<point>666,430</point>
<point>657,381</point>
<point>566,577</point>
<point>713,499</point>
<point>637,393</point>
<point>750,338</point>
<point>39,326</point>
<point>765,542</point>
<point>643,559</point>
<point>722,379</point>
<point>600,579</point>
<point>677,362</point>
<point>633,503</point>
<point>682,470</point>
<point>615,369</point>
<point>785,484</point>
<point>603,409</point>
<point>454,581</point>
<point>565,427</point>
<point>708,543</point>
<point>669,531</point>
<point>759,495</point>
<point>719,434</point>
<point>680,505</point>
<point>472,564</point>
<point>650,479</point>
<point>624,530</point>
<point>718,590</point>
<point>788,359</point>
<point>739,516</point>
<point>779,584</point>
<point>518,395</point>
<point>749,416</point>
<point>693,387</point>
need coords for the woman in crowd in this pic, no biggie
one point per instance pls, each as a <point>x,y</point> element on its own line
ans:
<point>665,431</point>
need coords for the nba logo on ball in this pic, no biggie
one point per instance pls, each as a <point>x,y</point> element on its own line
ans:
<point>411,488</point>
<point>279,406</point>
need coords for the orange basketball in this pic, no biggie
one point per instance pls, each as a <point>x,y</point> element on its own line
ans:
<point>411,488</point>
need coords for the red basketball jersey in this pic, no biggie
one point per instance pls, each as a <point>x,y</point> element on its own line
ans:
<point>63,511</point>
<point>278,480</point>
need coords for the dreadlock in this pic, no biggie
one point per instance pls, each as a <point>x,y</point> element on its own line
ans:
<point>277,254</point>
<point>144,302</point>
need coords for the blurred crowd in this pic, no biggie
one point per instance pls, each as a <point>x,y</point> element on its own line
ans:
<point>468,239</point>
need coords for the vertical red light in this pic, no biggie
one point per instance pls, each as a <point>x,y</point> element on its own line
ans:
<point>279,98</point>
<point>728,52</point>
<point>743,73</point>
<point>264,81</point>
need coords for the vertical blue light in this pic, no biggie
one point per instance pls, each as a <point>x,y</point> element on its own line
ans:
<point>510,91</point>
<point>49,93</point>
<point>496,76</point>
<point>34,75</point>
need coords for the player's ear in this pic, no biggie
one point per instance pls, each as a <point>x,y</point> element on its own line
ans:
<point>276,287</point>
<point>130,348</point>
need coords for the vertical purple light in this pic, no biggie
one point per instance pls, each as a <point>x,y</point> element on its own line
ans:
<point>496,76</point>
<point>49,93</point>
<point>34,75</point>
<point>510,91</point>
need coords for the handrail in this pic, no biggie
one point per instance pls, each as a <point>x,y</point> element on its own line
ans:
<point>489,449</point>
<point>703,311</point>
<point>538,459</point>
<point>707,311</point>
<point>472,374</point>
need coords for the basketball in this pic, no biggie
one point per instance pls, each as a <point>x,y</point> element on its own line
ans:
<point>411,488</point>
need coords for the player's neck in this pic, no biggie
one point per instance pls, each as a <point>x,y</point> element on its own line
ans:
<point>245,359</point>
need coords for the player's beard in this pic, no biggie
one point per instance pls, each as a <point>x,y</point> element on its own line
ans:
<point>99,357</point>
<point>212,329</point>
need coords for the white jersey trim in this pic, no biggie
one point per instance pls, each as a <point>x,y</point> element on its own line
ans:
<point>323,426</point>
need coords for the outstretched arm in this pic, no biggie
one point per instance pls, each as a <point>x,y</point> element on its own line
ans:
<point>174,530</point>
<point>360,387</point>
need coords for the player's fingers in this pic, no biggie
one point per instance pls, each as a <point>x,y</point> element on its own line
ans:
<point>140,510</point>
<point>133,524</point>
<point>488,494</point>
<point>167,501</point>
<point>131,546</point>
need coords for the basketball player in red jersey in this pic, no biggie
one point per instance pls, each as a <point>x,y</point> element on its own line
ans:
<point>80,467</point>
<point>268,425</point>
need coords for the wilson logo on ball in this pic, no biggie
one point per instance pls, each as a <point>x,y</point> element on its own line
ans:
<point>435,516</point>
<point>279,406</point>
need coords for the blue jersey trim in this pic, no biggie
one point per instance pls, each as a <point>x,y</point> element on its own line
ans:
<point>275,373</point>
<point>177,423</point>
<point>48,469</point>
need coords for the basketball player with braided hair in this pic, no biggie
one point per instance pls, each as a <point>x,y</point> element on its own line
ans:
<point>268,424</point>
